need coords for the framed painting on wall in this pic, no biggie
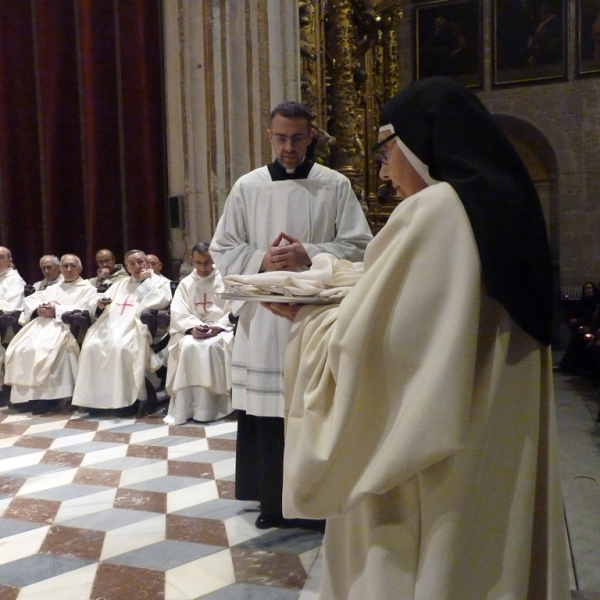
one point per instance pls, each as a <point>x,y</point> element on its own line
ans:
<point>529,41</point>
<point>588,38</point>
<point>448,40</point>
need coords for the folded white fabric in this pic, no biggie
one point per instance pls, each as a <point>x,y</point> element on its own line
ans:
<point>328,277</point>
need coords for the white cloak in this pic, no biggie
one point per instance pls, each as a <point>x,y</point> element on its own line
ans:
<point>12,288</point>
<point>120,273</point>
<point>421,425</point>
<point>199,371</point>
<point>40,286</point>
<point>323,213</point>
<point>41,360</point>
<point>116,350</point>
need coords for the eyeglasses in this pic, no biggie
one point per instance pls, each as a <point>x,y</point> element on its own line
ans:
<point>377,149</point>
<point>295,139</point>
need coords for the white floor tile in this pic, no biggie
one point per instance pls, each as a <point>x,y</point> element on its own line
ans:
<point>224,468</point>
<point>179,450</point>
<point>91,458</point>
<point>190,496</point>
<point>199,577</point>
<point>22,544</point>
<point>45,482</point>
<point>134,536</point>
<point>144,473</point>
<point>74,585</point>
<point>86,505</point>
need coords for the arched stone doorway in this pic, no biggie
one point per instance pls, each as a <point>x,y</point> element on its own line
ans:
<point>541,162</point>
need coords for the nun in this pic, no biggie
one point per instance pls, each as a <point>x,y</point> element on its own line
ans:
<point>419,417</point>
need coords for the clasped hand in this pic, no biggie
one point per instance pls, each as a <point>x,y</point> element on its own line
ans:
<point>46,310</point>
<point>203,332</point>
<point>287,257</point>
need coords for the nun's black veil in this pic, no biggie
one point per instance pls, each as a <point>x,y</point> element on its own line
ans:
<point>449,130</point>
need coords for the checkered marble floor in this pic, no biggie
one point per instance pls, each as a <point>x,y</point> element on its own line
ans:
<point>125,509</point>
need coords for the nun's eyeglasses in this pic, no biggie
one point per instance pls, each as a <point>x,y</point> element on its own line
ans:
<point>377,149</point>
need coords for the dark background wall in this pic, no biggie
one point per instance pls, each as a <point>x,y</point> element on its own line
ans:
<point>82,143</point>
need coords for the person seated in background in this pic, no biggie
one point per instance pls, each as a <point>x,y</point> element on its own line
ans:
<point>41,360</point>
<point>108,271</point>
<point>155,264</point>
<point>199,364</point>
<point>184,270</point>
<point>116,353</point>
<point>50,267</point>
<point>12,295</point>
<point>586,317</point>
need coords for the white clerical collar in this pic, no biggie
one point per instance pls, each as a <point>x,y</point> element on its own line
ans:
<point>292,171</point>
<point>2,273</point>
<point>207,278</point>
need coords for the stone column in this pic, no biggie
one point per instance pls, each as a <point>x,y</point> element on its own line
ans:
<point>226,64</point>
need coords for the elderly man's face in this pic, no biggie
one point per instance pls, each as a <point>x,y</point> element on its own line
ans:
<point>4,258</point>
<point>105,260</point>
<point>135,264</point>
<point>70,268</point>
<point>154,263</point>
<point>398,170</point>
<point>203,264</point>
<point>49,269</point>
<point>290,139</point>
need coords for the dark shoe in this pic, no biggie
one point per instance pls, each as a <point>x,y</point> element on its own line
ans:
<point>43,406</point>
<point>96,412</point>
<point>128,411</point>
<point>270,521</point>
<point>21,407</point>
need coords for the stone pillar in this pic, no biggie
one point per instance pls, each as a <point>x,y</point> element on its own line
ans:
<point>226,64</point>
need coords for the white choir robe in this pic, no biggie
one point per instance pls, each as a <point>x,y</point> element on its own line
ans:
<point>41,360</point>
<point>12,288</point>
<point>40,286</point>
<point>199,371</point>
<point>421,426</point>
<point>120,273</point>
<point>116,352</point>
<point>323,213</point>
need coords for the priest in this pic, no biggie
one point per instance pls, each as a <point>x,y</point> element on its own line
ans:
<point>12,294</point>
<point>199,367</point>
<point>50,268</point>
<point>41,360</point>
<point>277,218</point>
<point>109,271</point>
<point>116,352</point>
<point>420,412</point>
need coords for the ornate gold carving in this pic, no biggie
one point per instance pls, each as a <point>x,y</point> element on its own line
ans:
<point>349,69</point>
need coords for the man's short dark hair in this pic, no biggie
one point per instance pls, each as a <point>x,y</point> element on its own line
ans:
<point>201,248</point>
<point>292,110</point>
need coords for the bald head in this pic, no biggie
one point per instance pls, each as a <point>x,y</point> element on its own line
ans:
<point>105,259</point>
<point>5,258</point>
<point>154,263</point>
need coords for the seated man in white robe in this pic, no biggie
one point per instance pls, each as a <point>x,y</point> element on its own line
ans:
<point>41,360</point>
<point>199,367</point>
<point>50,267</point>
<point>11,295</point>
<point>155,264</point>
<point>108,271</point>
<point>116,353</point>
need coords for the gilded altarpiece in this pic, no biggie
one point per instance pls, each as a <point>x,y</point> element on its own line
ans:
<point>349,68</point>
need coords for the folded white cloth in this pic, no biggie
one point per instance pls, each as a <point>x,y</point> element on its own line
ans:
<point>328,277</point>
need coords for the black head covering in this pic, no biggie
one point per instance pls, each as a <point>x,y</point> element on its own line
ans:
<point>449,129</point>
